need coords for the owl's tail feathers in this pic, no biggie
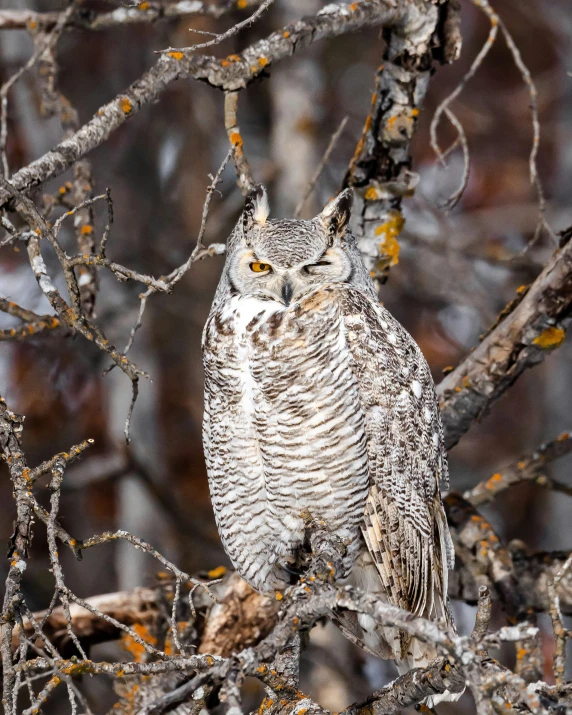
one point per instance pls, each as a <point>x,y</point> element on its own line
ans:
<point>417,653</point>
<point>390,643</point>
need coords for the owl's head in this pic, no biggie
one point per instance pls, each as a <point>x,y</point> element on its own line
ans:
<point>282,260</point>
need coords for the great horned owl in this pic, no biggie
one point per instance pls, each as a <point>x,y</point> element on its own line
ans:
<point>317,401</point>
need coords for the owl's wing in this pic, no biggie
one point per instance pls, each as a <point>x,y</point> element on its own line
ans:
<point>404,524</point>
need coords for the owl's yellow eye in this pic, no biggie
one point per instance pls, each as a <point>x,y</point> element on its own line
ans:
<point>258,267</point>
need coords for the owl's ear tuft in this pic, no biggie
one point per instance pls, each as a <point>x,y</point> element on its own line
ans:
<point>336,214</point>
<point>256,207</point>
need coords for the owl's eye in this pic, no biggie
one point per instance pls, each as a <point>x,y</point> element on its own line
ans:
<point>319,264</point>
<point>258,267</point>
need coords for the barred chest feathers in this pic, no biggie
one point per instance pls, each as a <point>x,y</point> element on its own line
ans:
<point>319,403</point>
<point>284,430</point>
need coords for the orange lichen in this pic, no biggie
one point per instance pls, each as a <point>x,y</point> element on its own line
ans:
<point>493,480</point>
<point>176,55</point>
<point>389,247</point>
<point>241,4</point>
<point>391,121</point>
<point>143,6</point>
<point>265,705</point>
<point>370,194</point>
<point>550,338</point>
<point>126,106</point>
<point>262,61</point>
<point>354,6</point>
<point>563,437</point>
<point>286,34</point>
<point>217,572</point>
<point>279,596</point>
<point>136,649</point>
<point>521,289</point>
<point>87,229</point>
<point>236,139</point>
<point>415,112</point>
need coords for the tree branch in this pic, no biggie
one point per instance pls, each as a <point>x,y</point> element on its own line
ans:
<point>233,73</point>
<point>380,169</point>
<point>528,468</point>
<point>535,327</point>
<point>141,13</point>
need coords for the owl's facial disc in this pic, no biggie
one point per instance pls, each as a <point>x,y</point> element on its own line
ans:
<point>258,276</point>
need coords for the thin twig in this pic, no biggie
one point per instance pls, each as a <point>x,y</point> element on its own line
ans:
<point>41,46</point>
<point>314,180</point>
<point>477,62</point>
<point>541,224</point>
<point>234,30</point>
<point>169,282</point>
<point>136,13</point>
<point>455,197</point>
<point>531,467</point>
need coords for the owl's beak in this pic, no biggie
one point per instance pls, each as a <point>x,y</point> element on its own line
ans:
<point>287,292</point>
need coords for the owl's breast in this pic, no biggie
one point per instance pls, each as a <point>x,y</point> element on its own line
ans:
<point>283,403</point>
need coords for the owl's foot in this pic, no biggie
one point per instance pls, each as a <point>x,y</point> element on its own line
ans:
<point>293,572</point>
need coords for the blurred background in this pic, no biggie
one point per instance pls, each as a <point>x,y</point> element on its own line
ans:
<point>456,272</point>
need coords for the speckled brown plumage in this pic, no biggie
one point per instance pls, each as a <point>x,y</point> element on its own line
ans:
<point>319,403</point>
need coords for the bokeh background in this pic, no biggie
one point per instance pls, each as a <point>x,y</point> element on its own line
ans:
<point>456,272</point>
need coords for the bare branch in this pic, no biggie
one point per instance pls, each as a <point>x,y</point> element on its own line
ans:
<point>380,169</point>
<point>483,617</point>
<point>12,453</point>
<point>528,468</point>
<point>243,171</point>
<point>34,324</point>
<point>411,689</point>
<point>230,74</point>
<point>456,196</point>
<point>137,14</point>
<point>314,180</point>
<point>532,330</point>
<point>234,30</point>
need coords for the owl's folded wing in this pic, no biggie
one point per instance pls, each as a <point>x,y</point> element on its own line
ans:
<point>404,524</point>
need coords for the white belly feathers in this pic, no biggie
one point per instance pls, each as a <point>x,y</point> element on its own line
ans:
<point>285,420</point>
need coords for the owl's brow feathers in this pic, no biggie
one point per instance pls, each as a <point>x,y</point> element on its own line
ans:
<point>304,241</point>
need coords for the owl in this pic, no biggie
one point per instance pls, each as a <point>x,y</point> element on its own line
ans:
<point>319,404</point>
